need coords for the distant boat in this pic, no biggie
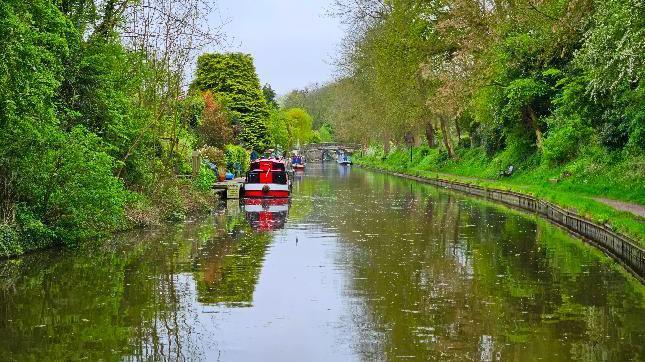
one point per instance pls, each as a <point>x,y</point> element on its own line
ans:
<point>343,159</point>
<point>298,162</point>
<point>267,178</point>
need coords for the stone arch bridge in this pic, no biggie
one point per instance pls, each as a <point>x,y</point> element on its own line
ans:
<point>328,151</point>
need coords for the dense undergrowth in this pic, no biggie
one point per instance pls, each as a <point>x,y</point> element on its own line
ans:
<point>573,185</point>
<point>99,132</point>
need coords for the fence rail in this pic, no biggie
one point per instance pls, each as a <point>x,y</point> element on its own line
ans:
<point>617,246</point>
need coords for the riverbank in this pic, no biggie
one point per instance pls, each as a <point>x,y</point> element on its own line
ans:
<point>567,192</point>
<point>171,200</point>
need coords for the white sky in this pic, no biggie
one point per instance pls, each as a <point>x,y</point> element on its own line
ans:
<point>293,42</point>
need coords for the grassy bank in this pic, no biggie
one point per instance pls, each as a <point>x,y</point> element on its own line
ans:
<point>171,199</point>
<point>573,185</point>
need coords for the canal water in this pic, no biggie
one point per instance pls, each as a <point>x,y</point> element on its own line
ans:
<point>359,266</point>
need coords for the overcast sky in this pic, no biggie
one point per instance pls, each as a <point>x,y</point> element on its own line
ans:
<point>293,41</point>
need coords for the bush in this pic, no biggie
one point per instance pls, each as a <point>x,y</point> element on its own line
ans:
<point>205,180</point>
<point>215,128</point>
<point>214,155</point>
<point>564,139</point>
<point>9,241</point>
<point>85,199</point>
<point>167,196</point>
<point>237,159</point>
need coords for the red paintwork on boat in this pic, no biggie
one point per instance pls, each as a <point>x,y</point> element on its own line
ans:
<point>270,193</point>
<point>267,179</point>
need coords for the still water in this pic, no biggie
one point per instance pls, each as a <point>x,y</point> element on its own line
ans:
<point>358,266</point>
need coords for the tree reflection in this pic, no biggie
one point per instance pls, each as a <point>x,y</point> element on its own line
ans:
<point>131,298</point>
<point>443,277</point>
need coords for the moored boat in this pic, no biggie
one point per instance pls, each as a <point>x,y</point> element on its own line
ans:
<point>343,159</point>
<point>267,178</point>
<point>298,162</point>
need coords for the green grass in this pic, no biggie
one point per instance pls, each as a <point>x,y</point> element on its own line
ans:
<point>572,185</point>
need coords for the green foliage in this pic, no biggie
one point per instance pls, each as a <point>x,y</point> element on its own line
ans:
<point>269,96</point>
<point>10,244</point>
<point>564,139</point>
<point>81,196</point>
<point>214,155</point>
<point>278,130</point>
<point>556,88</point>
<point>81,117</point>
<point>326,133</point>
<point>238,160</point>
<point>232,77</point>
<point>215,128</point>
<point>299,123</point>
<point>612,51</point>
<point>205,179</point>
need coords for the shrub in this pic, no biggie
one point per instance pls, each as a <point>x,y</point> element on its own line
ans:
<point>564,138</point>
<point>205,180</point>
<point>167,197</point>
<point>237,159</point>
<point>215,127</point>
<point>9,241</point>
<point>214,155</point>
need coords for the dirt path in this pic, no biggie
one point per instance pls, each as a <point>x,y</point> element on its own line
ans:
<point>635,209</point>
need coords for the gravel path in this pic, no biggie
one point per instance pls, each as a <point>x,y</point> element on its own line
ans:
<point>635,209</point>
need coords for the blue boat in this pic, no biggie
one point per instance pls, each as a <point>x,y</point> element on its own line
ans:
<point>298,162</point>
<point>343,159</point>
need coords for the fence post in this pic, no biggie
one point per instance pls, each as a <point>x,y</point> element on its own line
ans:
<point>197,163</point>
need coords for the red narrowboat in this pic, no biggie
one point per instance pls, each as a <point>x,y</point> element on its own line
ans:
<point>267,178</point>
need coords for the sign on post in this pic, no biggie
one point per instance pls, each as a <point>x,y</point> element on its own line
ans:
<point>233,190</point>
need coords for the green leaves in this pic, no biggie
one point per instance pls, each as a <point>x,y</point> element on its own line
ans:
<point>232,77</point>
<point>299,123</point>
<point>238,160</point>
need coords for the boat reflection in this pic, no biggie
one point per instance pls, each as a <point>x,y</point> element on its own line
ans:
<point>266,214</point>
<point>298,174</point>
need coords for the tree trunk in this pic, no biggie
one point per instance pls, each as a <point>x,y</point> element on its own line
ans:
<point>7,209</point>
<point>386,143</point>
<point>534,124</point>
<point>446,137</point>
<point>458,129</point>
<point>430,134</point>
<point>416,140</point>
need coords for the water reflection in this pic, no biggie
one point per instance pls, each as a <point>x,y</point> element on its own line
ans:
<point>448,278</point>
<point>358,266</point>
<point>344,170</point>
<point>266,214</point>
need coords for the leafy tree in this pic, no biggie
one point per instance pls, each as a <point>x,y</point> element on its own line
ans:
<point>215,128</point>
<point>326,133</point>
<point>232,78</point>
<point>279,130</point>
<point>269,96</point>
<point>299,123</point>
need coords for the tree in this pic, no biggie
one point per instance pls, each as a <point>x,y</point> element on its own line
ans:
<point>278,130</point>
<point>232,78</point>
<point>215,128</point>
<point>269,96</point>
<point>299,123</point>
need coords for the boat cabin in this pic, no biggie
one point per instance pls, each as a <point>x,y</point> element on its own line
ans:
<point>267,177</point>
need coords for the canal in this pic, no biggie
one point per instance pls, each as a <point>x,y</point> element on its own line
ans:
<point>360,266</point>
